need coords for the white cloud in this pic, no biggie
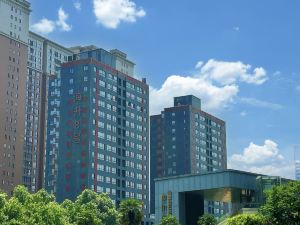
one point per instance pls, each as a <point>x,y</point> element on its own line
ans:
<point>61,22</point>
<point>215,82</point>
<point>213,96</point>
<point>199,65</point>
<point>44,26</point>
<point>262,104</point>
<point>77,5</point>
<point>231,72</point>
<point>265,159</point>
<point>255,154</point>
<point>111,12</point>
<point>244,113</point>
<point>283,169</point>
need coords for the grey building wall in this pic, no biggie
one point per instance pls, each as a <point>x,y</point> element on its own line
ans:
<point>111,110</point>
<point>191,141</point>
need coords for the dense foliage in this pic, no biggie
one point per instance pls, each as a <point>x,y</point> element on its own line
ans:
<point>282,207</point>
<point>30,209</point>
<point>207,219</point>
<point>131,212</point>
<point>90,208</point>
<point>283,204</point>
<point>169,220</point>
<point>247,219</point>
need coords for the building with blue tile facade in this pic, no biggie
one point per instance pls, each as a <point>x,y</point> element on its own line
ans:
<point>184,196</point>
<point>98,130</point>
<point>186,140</point>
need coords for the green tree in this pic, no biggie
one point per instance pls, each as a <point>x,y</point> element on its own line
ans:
<point>30,209</point>
<point>87,215</point>
<point>94,207</point>
<point>207,219</point>
<point>102,204</point>
<point>131,212</point>
<point>283,204</point>
<point>24,208</point>
<point>169,220</point>
<point>3,203</point>
<point>247,219</point>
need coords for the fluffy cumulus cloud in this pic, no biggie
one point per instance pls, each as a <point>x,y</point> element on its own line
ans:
<point>215,82</point>
<point>62,20</point>
<point>46,26</point>
<point>256,154</point>
<point>231,72</point>
<point>264,159</point>
<point>111,12</point>
<point>213,96</point>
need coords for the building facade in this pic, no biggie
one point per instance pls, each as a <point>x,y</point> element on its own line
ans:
<point>97,133</point>
<point>44,60</point>
<point>122,63</point>
<point>13,72</point>
<point>186,140</point>
<point>184,196</point>
<point>33,110</point>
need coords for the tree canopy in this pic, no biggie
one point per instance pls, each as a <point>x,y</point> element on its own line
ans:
<point>30,209</point>
<point>283,204</point>
<point>282,207</point>
<point>247,219</point>
<point>207,219</point>
<point>89,208</point>
<point>169,220</point>
<point>131,212</point>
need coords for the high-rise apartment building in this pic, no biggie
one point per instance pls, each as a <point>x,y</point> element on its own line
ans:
<point>33,110</point>
<point>121,62</point>
<point>97,134</point>
<point>44,60</point>
<point>13,72</point>
<point>185,140</point>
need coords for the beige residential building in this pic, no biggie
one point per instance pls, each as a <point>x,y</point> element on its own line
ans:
<point>13,72</point>
<point>44,60</point>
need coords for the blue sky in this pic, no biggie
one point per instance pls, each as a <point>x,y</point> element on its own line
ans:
<point>240,57</point>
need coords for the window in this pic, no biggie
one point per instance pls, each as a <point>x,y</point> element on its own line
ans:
<point>101,83</point>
